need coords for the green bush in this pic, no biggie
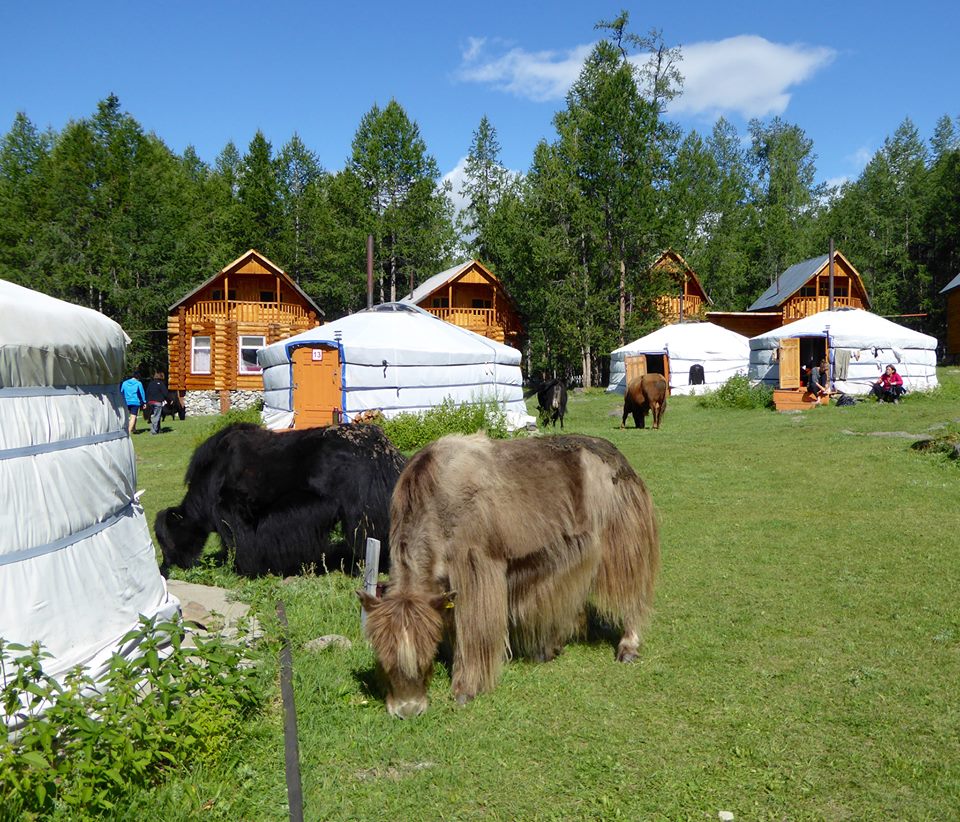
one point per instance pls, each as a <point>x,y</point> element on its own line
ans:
<point>82,745</point>
<point>737,392</point>
<point>221,421</point>
<point>410,432</point>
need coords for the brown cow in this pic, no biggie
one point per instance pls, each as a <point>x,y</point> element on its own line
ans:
<point>645,393</point>
<point>524,533</point>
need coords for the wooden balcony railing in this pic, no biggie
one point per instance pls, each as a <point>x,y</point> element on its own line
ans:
<point>799,307</point>
<point>483,321</point>
<point>669,307</point>
<point>246,311</point>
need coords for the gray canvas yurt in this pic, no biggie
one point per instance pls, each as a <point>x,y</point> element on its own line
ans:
<point>675,350</point>
<point>394,358</point>
<point>77,565</point>
<point>859,345</point>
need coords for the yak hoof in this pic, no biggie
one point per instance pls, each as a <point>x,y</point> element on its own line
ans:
<point>463,699</point>
<point>627,654</point>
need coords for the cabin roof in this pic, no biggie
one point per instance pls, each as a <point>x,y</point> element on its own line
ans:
<point>789,283</point>
<point>426,288</point>
<point>693,274</point>
<point>266,264</point>
<point>954,283</point>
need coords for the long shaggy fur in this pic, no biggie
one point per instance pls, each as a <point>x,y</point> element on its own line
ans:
<point>526,533</point>
<point>273,498</point>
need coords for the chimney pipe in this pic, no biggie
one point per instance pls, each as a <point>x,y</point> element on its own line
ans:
<point>830,303</point>
<point>369,271</point>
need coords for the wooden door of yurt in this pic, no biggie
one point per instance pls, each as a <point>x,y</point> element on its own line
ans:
<point>788,356</point>
<point>317,388</point>
<point>636,366</point>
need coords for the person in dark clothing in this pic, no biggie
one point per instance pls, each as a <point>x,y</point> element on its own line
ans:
<point>156,397</point>
<point>815,380</point>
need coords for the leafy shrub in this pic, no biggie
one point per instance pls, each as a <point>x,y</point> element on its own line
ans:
<point>410,432</point>
<point>737,392</point>
<point>221,421</point>
<point>81,746</point>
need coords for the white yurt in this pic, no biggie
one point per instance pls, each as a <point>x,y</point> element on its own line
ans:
<point>77,565</point>
<point>676,348</point>
<point>394,358</point>
<point>861,345</point>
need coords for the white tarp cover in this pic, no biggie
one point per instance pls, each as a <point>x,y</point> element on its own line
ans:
<point>77,565</point>
<point>721,352</point>
<point>398,358</point>
<point>862,342</point>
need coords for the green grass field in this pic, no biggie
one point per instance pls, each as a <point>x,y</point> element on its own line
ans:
<point>803,661</point>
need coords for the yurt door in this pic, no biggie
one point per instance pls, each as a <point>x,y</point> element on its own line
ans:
<point>636,366</point>
<point>789,358</point>
<point>316,386</point>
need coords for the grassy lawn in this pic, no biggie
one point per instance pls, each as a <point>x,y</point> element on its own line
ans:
<point>803,662</point>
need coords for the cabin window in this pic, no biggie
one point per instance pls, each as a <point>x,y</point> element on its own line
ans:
<point>441,302</point>
<point>217,294</point>
<point>480,303</point>
<point>249,346</point>
<point>808,291</point>
<point>268,296</point>
<point>200,355</point>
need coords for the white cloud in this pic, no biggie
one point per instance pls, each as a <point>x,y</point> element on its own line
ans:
<point>456,177</point>
<point>538,76</point>
<point>746,75</point>
<point>861,157</point>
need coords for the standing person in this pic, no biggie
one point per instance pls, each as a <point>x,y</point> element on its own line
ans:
<point>133,396</point>
<point>156,397</point>
<point>889,386</point>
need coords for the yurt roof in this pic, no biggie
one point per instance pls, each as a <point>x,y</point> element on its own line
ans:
<point>696,339</point>
<point>848,328</point>
<point>397,332</point>
<point>46,341</point>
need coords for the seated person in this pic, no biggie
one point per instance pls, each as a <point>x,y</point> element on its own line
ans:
<point>889,387</point>
<point>816,376</point>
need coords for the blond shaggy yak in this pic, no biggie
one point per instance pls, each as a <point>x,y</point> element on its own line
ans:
<point>519,536</point>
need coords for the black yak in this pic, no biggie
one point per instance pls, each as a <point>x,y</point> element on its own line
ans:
<point>273,498</point>
<point>552,401</point>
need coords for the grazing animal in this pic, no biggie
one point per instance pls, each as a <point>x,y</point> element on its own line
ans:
<point>274,497</point>
<point>172,407</point>
<point>518,535</point>
<point>552,401</point>
<point>647,392</point>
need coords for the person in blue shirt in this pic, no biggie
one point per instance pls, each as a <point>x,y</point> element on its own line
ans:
<point>133,396</point>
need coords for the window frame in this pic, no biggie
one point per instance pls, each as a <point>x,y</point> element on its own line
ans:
<point>240,347</point>
<point>193,353</point>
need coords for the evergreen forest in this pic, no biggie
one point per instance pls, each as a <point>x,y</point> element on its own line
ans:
<point>105,215</point>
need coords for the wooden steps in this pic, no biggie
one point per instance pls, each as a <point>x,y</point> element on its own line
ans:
<point>796,399</point>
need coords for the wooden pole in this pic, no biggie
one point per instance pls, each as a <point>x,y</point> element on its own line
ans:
<point>369,271</point>
<point>371,569</point>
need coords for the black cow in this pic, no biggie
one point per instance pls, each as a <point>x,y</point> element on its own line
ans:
<point>552,401</point>
<point>273,498</point>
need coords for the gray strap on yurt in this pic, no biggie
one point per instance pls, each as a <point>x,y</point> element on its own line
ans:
<point>67,541</point>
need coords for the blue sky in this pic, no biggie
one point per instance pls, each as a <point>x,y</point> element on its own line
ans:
<point>206,72</point>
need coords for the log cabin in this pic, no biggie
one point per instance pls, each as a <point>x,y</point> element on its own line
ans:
<point>215,331</point>
<point>469,295</point>
<point>952,291</point>
<point>687,300</point>
<point>800,291</point>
